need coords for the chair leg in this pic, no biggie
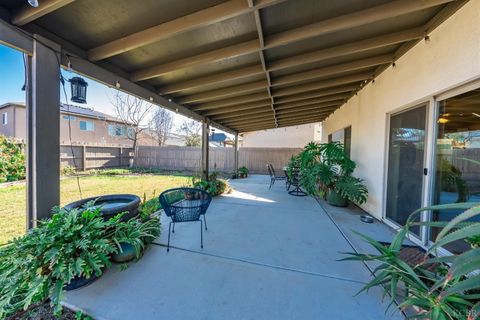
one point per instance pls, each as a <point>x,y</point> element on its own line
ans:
<point>271,183</point>
<point>168,244</point>
<point>201,233</point>
<point>173,230</point>
<point>205,220</point>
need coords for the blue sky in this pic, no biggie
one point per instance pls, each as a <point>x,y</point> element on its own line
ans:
<point>12,78</point>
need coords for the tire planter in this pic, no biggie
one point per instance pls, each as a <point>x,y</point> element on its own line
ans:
<point>127,254</point>
<point>80,282</point>
<point>111,205</point>
<point>335,199</point>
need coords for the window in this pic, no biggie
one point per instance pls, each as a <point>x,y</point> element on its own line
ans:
<point>5,118</point>
<point>86,126</point>
<point>344,136</point>
<point>71,118</point>
<point>117,130</point>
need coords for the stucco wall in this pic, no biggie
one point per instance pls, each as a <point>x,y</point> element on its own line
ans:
<point>288,137</point>
<point>450,58</point>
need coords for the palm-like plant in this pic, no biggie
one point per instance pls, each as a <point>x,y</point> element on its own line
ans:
<point>325,168</point>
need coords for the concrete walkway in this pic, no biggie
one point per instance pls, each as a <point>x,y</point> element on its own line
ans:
<point>267,255</point>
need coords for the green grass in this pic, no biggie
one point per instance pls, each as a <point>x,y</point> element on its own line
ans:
<point>12,210</point>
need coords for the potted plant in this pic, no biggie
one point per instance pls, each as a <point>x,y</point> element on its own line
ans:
<point>242,172</point>
<point>326,170</point>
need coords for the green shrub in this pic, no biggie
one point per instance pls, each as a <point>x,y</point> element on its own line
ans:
<point>67,170</point>
<point>214,186</point>
<point>38,265</point>
<point>243,172</point>
<point>12,161</point>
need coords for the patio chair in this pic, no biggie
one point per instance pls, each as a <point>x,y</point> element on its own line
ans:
<point>273,176</point>
<point>185,205</point>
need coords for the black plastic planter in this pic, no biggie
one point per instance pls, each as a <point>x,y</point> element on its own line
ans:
<point>127,254</point>
<point>79,282</point>
<point>112,205</point>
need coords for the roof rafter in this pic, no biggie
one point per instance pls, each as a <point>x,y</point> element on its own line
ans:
<point>28,13</point>
<point>220,12</point>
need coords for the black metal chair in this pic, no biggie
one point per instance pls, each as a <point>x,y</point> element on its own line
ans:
<point>294,181</point>
<point>273,176</point>
<point>185,205</point>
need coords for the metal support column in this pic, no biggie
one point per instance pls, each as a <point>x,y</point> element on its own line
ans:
<point>235,154</point>
<point>43,130</point>
<point>205,149</point>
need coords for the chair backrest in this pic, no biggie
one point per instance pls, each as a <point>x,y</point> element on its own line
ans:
<point>273,170</point>
<point>185,204</point>
<point>270,170</point>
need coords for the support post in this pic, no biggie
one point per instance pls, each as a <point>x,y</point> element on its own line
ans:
<point>235,154</point>
<point>43,130</point>
<point>205,149</point>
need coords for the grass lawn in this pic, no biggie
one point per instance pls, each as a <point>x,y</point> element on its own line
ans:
<point>13,198</point>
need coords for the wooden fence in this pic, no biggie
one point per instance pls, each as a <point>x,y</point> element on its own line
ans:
<point>220,159</point>
<point>84,157</point>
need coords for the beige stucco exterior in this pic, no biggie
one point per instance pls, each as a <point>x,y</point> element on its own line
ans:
<point>288,137</point>
<point>16,128</point>
<point>450,59</point>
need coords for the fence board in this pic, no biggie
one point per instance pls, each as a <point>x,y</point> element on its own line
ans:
<point>220,159</point>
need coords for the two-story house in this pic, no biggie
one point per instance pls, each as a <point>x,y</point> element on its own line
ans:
<point>78,125</point>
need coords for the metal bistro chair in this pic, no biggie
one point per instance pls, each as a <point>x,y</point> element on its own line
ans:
<point>185,205</point>
<point>273,176</point>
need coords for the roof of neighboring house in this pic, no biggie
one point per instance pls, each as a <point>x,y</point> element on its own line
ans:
<point>72,109</point>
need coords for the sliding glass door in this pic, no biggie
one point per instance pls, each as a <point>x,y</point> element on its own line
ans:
<point>406,157</point>
<point>457,147</point>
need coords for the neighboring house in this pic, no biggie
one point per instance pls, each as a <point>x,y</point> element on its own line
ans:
<point>147,138</point>
<point>219,140</point>
<point>87,126</point>
<point>287,137</point>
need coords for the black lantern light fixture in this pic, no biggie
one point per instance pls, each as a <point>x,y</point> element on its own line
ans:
<point>79,90</point>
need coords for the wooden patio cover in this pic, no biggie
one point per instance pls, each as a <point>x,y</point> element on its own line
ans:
<point>242,65</point>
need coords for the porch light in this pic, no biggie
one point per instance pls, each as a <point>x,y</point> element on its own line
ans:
<point>442,120</point>
<point>79,90</point>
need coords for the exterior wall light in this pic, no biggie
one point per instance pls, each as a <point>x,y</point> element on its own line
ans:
<point>79,90</point>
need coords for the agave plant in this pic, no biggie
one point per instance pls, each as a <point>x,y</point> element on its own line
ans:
<point>452,291</point>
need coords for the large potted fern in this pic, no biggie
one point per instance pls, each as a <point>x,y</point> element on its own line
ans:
<point>326,170</point>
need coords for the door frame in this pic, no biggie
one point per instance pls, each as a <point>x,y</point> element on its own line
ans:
<point>422,239</point>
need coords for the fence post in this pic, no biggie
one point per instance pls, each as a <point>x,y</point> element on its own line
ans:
<point>84,158</point>
<point>235,154</point>
<point>121,156</point>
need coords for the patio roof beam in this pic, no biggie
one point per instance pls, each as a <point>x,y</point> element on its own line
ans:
<point>269,119</point>
<point>318,55</point>
<point>334,69</point>
<point>309,109</point>
<point>241,114</point>
<point>176,26</point>
<point>212,79</point>
<point>358,18</point>
<point>224,92</point>
<point>346,89</point>
<point>232,101</point>
<point>248,116</point>
<point>239,107</point>
<point>327,99</point>
<point>204,58</point>
<point>28,13</point>
<point>12,37</point>
<point>322,84</point>
<point>309,118</point>
<point>303,114</point>
<point>352,20</point>
<point>261,38</point>
<point>349,48</point>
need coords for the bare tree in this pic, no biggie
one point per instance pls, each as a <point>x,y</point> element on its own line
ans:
<point>133,112</point>
<point>191,129</point>
<point>161,125</point>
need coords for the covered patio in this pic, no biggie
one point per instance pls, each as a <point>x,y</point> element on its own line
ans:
<point>266,255</point>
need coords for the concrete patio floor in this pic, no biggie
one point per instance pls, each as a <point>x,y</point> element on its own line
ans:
<point>266,255</point>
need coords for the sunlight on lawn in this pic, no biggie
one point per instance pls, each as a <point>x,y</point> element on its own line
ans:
<point>13,199</point>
